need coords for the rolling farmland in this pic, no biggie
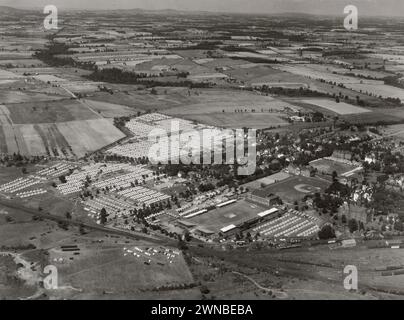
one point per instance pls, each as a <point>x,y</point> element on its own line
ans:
<point>65,139</point>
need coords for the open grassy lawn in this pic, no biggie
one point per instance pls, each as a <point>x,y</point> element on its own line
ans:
<point>296,187</point>
<point>108,269</point>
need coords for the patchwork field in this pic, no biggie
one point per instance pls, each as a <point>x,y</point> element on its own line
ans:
<point>315,71</point>
<point>378,90</point>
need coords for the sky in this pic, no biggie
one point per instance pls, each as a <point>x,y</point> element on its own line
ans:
<point>327,7</point>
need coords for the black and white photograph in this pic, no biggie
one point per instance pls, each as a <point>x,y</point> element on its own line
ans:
<point>201,150</point>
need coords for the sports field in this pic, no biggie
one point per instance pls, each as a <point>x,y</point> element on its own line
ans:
<point>236,214</point>
<point>296,187</point>
<point>327,166</point>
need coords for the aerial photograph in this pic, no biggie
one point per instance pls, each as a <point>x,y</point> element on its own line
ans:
<point>202,150</point>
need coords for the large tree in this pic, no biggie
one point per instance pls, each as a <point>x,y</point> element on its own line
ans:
<point>103,216</point>
<point>326,232</point>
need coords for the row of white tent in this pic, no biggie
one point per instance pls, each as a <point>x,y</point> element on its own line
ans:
<point>19,184</point>
<point>56,170</point>
<point>144,195</point>
<point>31,193</point>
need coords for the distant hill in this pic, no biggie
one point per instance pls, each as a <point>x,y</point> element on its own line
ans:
<point>10,10</point>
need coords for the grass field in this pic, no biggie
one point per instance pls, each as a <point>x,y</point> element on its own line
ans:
<point>15,96</point>
<point>328,166</point>
<point>314,71</point>
<point>104,268</point>
<point>341,108</point>
<point>296,187</point>
<point>99,271</point>
<point>395,131</point>
<point>143,100</point>
<point>5,75</point>
<point>90,135</point>
<point>218,108</point>
<point>111,110</point>
<point>378,89</point>
<point>49,112</point>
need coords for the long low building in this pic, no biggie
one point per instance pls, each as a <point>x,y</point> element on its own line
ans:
<point>223,204</point>
<point>228,228</point>
<point>268,212</point>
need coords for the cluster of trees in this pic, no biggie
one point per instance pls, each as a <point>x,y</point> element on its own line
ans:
<point>205,187</point>
<point>18,160</point>
<point>141,213</point>
<point>385,200</point>
<point>291,92</point>
<point>176,286</point>
<point>120,122</point>
<point>121,159</point>
<point>156,227</point>
<point>57,55</point>
<point>326,232</point>
<point>115,75</point>
<point>327,203</point>
<point>257,60</point>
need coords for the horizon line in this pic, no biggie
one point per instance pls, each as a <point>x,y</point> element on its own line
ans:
<point>199,11</point>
